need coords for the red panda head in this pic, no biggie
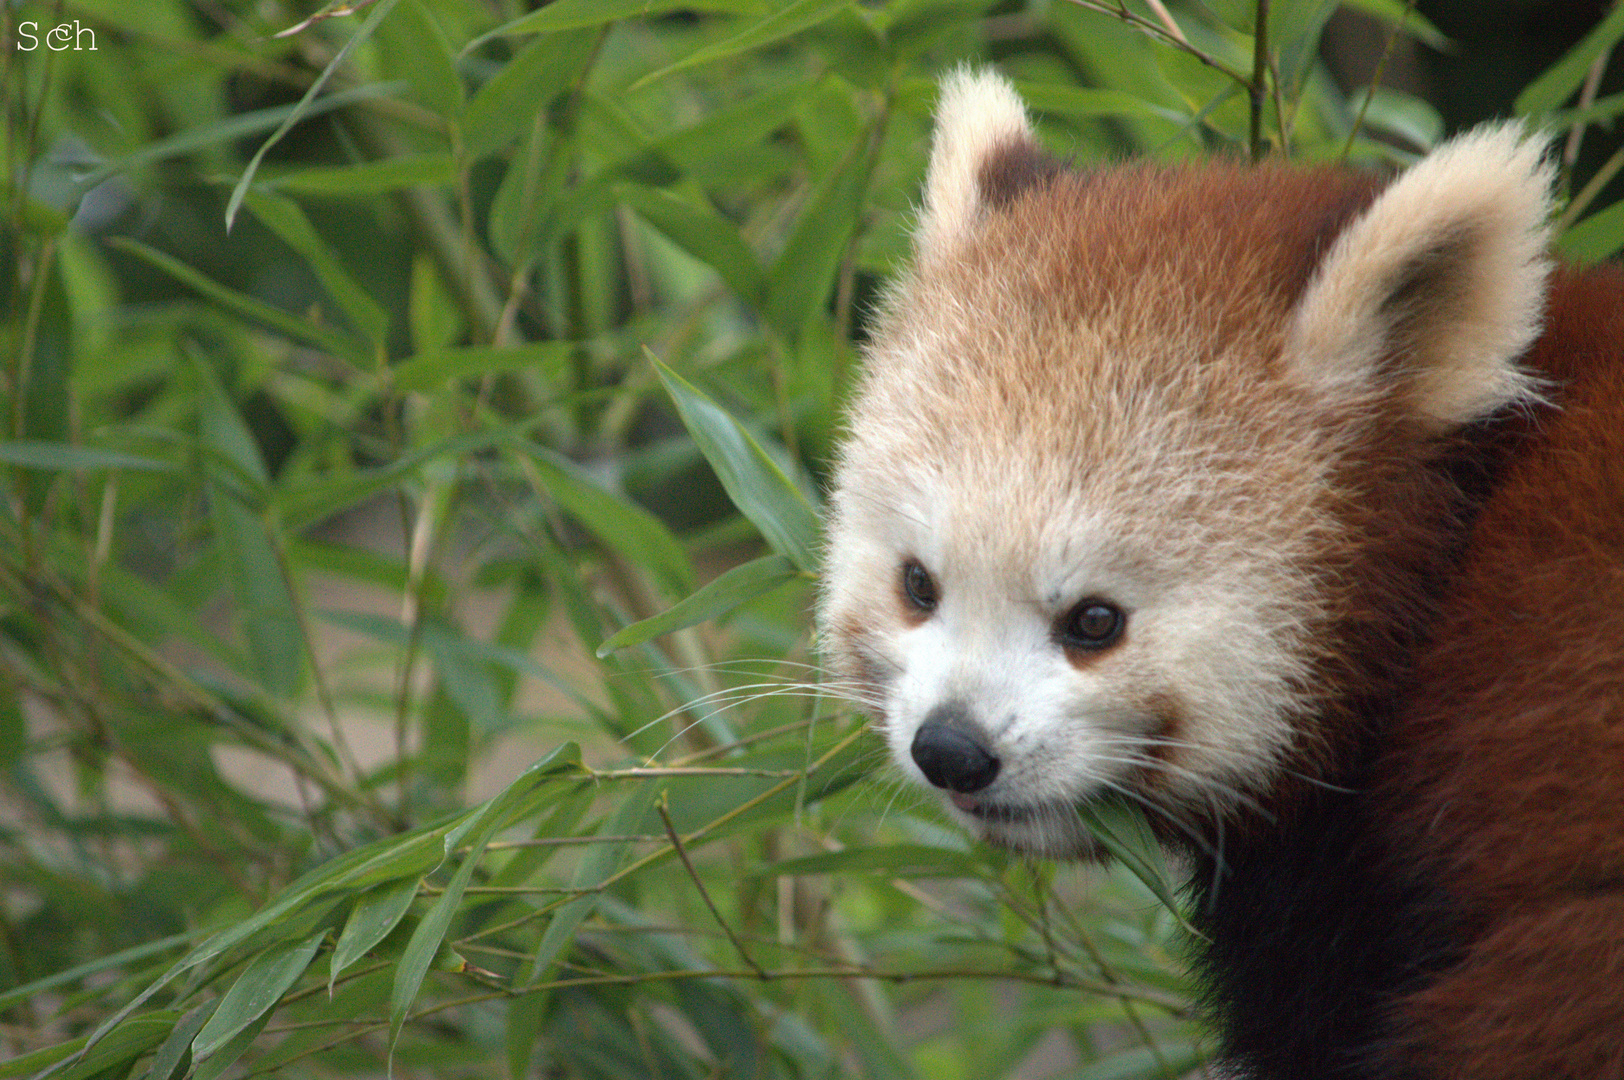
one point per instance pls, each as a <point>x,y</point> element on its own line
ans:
<point>1141,484</point>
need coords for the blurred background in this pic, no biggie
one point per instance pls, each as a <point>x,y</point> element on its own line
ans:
<point>414,417</point>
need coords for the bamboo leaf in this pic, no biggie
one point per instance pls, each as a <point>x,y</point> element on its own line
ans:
<point>173,1057</point>
<point>1596,237</point>
<point>257,990</point>
<point>617,521</point>
<point>335,343</point>
<point>573,14</point>
<point>779,24</point>
<point>1562,78</point>
<point>124,1044</point>
<point>509,101</point>
<point>698,229</point>
<point>799,282</point>
<point>303,107</point>
<point>226,1056</point>
<point>94,967</point>
<point>490,817</point>
<point>900,860</point>
<point>600,862</point>
<point>432,369</point>
<point>368,179</point>
<point>287,221</point>
<point>1122,830</point>
<point>731,589</point>
<point>265,606</point>
<point>1168,1057</point>
<point>376,913</point>
<point>755,483</point>
<point>231,129</point>
<point>65,457</point>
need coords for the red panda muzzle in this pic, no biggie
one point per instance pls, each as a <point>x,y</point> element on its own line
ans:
<point>953,752</point>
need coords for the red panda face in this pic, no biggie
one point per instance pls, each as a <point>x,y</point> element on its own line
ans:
<point>1123,443</point>
<point>1051,594</point>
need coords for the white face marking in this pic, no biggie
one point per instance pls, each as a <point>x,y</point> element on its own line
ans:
<point>1188,710</point>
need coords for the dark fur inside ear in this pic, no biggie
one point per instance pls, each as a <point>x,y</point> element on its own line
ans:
<point>1425,289</point>
<point>1429,297</point>
<point>1013,168</point>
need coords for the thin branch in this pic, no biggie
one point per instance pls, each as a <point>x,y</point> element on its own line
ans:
<point>704,894</point>
<point>1588,193</point>
<point>1167,21</point>
<point>1154,30</point>
<point>1257,89</point>
<point>1376,78</point>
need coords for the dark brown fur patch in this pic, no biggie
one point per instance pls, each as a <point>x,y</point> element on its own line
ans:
<point>1010,170</point>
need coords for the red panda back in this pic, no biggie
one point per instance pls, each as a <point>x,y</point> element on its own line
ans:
<point>1506,770</point>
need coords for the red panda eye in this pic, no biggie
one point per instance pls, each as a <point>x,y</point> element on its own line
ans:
<point>918,586</point>
<point>1092,624</point>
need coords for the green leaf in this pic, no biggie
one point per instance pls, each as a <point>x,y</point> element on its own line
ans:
<point>600,861</point>
<point>1603,108</point>
<point>718,597</point>
<point>226,1056</point>
<point>781,23</point>
<point>416,852</point>
<point>368,179</point>
<point>1168,1057</point>
<point>124,1044</point>
<point>899,860</point>
<point>1080,103</point>
<point>301,506</point>
<point>173,1057</point>
<point>1562,78</point>
<point>1596,237</point>
<point>433,369</point>
<point>509,102</point>
<point>33,454</point>
<point>247,547</point>
<point>492,816</point>
<point>257,990</point>
<point>335,343</point>
<point>800,280</point>
<point>1401,114</point>
<point>287,221</point>
<point>1401,14</point>
<point>698,229</point>
<point>465,678</point>
<point>376,913</point>
<point>414,49</point>
<point>573,14</point>
<point>753,480</point>
<point>1122,830</point>
<point>95,967</point>
<point>303,106</point>
<point>229,130</point>
<point>617,521</point>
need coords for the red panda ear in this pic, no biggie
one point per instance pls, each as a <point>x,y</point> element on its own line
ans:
<point>979,118</point>
<point>1437,289</point>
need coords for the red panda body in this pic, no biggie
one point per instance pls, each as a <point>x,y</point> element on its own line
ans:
<point>1288,504</point>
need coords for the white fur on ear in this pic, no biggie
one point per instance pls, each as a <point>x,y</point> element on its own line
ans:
<point>1438,287</point>
<point>978,112</point>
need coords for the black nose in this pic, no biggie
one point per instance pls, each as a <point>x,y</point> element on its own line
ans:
<point>951,750</point>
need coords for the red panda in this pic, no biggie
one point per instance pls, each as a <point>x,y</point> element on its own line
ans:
<point>1287,503</point>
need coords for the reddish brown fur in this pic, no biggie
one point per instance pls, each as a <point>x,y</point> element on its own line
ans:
<point>1506,773</point>
<point>1231,221</point>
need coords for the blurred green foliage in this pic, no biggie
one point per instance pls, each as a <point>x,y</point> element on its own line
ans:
<point>526,324</point>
